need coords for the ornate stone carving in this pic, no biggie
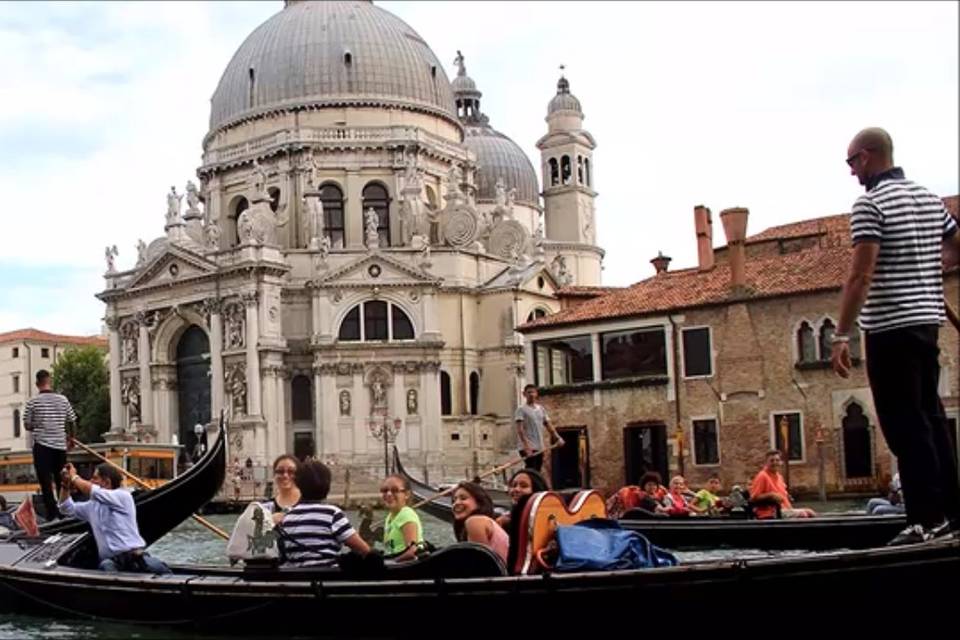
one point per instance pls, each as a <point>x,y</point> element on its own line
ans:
<point>212,306</point>
<point>110,254</point>
<point>378,382</point>
<point>141,252</point>
<point>211,236</point>
<point>412,403</point>
<point>130,396</point>
<point>245,228</point>
<point>259,179</point>
<point>235,323</point>
<point>504,201</point>
<point>112,322</point>
<point>173,206</point>
<point>508,239</point>
<point>193,200</point>
<point>249,298</point>
<point>236,383</point>
<point>130,336</point>
<point>345,403</point>
<point>371,222</point>
<point>453,180</point>
<point>461,227</point>
<point>559,269</point>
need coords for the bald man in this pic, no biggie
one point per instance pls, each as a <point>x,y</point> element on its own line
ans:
<point>903,237</point>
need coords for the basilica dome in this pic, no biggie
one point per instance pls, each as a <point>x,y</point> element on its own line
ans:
<point>317,54</point>
<point>501,157</point>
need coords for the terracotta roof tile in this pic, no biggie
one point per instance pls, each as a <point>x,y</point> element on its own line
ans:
<point>35,335</point>
<point>815,226</point>
<point>585,292</point>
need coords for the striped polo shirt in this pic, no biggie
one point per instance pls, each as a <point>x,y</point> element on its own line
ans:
<point>315,532</point>
<point>46,416</point>
<point>910,224</point>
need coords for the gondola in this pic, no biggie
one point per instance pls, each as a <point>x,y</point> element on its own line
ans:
<point>160,510</point>
<point>442,507</point>
<point>466,582</point>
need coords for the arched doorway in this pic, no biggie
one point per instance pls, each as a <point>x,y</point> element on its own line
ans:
<point>857,453</point>
<point>193,384</point>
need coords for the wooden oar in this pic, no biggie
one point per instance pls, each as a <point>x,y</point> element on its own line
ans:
<point>201,520</point>
<point>485,474</point>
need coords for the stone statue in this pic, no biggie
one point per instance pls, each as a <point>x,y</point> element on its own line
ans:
<point>458,63</point>
<point>379,394</point>
<point>111,254</point>
<point>235,319</point>
<point>454,193</point>
<point>501,198</point>
<point>344,403</point>
<point>211,234</point>
<point>193,198</point>
<point>372,221</point>
<point>129,347</point>
<point>130,396</point>
<point>538,250</point>
<point>411,402</point>
<point>173,206</point>
<point>259,180</point>
<point>314,208</point>
<point>141,252</point>
<point>411,175</point>
<point>311,167</point>
<point>425,262</point>
<point>245,228</point>
<point>238,391</point>
<point>560,272</point>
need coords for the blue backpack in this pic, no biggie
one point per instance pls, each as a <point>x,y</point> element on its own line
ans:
<point>603,545</point>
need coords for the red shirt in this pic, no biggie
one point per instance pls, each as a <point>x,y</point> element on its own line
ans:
<point>766,482</point>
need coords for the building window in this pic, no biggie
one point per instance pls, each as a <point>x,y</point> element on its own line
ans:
<point>697,347</point>
<point>706,442</point>
<point>382,321</point>
<point>827,329</point>
<point>44,352</point>
<point>586,170</point>
<point>806,346</point>
<point>16,383</point>
<point>274,194</point>
<point>794,433</point>
<point>536,314</point>
<point>563,361</point>
<point>241,206</point>
<point>554,172</point>
<point>474,393</point>
<point>579,169</point>
<point>566,170</point>
<point>16,352</point>
<point>16,423</point>
<point>331,197</point>
<point>446,399</point>
<point>375,197</point>
<point>628,354</point>
<point>301,398</point>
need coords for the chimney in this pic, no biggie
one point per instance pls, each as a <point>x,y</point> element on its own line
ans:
<point>735,227</point>
<point>661,263</point>
<point>704,227</point>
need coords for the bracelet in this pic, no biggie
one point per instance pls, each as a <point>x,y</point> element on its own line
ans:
<point>839,337</point>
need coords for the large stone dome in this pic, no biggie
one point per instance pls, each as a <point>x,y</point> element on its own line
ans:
<point>315,54</point>
<point>499,156</point>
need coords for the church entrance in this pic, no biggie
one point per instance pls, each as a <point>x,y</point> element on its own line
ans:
<point>193,385</point>
<point>857,452</point>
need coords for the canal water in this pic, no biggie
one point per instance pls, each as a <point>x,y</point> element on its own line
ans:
<point>190,543</point>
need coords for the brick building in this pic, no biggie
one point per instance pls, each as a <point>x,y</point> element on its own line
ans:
<point>704,369</point>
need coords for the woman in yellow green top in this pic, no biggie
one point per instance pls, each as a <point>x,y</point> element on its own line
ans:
<point>402,531</point>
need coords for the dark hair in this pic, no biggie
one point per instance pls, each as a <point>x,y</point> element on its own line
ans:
<point>650,476</point>
<point>530,386</point>
<point>3,503</point>
<point>484,507</point>
<point>286,456</point>
<point>109,472</point>
<point>772,452</point>
<point>42,376</point>
<point>713,476</point>
<point>313,480</point>
<point>537,480</point>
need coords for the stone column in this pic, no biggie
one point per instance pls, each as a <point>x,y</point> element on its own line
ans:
<point>116,405</point>
<point>360,411</point>
<point>431,330</point>
<point>280,435</point>
<point>399,407</point>
<point>214,307</point>
<point>354,210</point>
<point>147,416</point>
<point>432,432</point>
<point>254,405</point>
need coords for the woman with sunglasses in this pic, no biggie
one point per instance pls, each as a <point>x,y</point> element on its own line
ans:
<point>285,491</point>
<point>402,531</point>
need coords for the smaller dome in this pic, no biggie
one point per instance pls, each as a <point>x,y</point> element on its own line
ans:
<point>564,100</point>
<point>463,84</point>
<point>501,157</point>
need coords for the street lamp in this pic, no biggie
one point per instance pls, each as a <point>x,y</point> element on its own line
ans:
<point>383,430</point>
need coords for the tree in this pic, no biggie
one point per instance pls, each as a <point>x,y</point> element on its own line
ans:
<point>81,374</point>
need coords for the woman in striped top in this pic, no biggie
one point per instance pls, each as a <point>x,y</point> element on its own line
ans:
<point>313,533</point>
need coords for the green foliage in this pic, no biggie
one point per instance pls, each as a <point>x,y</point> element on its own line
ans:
<point>81,374</point>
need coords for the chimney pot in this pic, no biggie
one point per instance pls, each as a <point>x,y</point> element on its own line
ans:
<point>735,227</point>
<point>661,263</point>
<point>704,228</point>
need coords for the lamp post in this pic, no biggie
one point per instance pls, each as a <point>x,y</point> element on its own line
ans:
<point>822,474</point>
<point>383,430</point>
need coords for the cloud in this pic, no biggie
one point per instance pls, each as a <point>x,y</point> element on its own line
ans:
<point>724,104</point>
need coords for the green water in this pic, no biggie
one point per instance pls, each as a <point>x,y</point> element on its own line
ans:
<point>190,543</point>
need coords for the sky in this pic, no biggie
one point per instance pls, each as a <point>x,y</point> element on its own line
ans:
<point>104,106</point>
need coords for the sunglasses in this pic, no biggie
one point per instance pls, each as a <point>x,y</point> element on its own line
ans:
<point>392,490</point>
<point>855,156</point>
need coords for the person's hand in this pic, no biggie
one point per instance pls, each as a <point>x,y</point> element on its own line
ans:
<point>527,452</point>
<point>840,357</point>
<point>560,441</point>
<point>277,517</point>
<point>67,472</point>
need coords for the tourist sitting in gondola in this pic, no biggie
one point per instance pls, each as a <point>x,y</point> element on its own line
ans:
<point>649,497</point>
<point>706,500</point>
<point>112,516</point>
<point>473,519</point>
<point>312,533</point>
<point>675,502</point>
<point>402,531</point>
<point>285,491</point>
<point>892,504</point>
<point>522,484</point>
<point>769,487</point>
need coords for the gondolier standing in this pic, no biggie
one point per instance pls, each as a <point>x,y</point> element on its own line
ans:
<point>530,419</point>
<point>46,416</point>
<point>902,238</point>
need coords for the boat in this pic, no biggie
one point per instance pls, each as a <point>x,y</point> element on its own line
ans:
<point>160,510</point>
<point>442,507</point>
<point>822,532</point>
<point>47,579</point>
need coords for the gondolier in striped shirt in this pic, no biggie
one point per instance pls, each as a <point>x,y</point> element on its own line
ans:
<point>46,416</point>
<point>902,239</point>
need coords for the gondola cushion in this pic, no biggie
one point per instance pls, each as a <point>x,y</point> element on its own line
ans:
<point>601,545</point>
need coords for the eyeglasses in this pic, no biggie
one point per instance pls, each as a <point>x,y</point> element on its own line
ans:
<point>284,472</point>
<point>856,155</point>
<point>392,490</point>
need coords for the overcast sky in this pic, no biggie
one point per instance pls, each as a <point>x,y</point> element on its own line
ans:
<point>103,107</point>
